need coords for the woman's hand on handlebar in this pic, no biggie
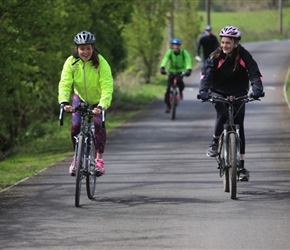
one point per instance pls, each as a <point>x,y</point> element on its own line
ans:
<point>97,111</point>
<point>68,108</point>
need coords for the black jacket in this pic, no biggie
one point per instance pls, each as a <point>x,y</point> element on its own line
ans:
<point>208,44</point>
<point>218,75</point>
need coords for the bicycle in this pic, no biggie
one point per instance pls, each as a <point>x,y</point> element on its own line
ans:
<point>85,152</point>
<point>174,96</point>
<point>228,153</point>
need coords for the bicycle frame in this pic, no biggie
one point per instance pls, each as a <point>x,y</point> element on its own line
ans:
<point>85,153</point>
<point>87,134</point>
<point>229,128</point>
<point>228,157</point>
<point>174,94</point>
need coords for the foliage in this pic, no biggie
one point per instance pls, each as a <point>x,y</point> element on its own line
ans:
<point>144,35</point>
<point>36,38</point>
<point>187,23</point>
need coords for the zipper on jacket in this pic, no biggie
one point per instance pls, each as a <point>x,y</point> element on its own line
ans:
<point>85,82</point>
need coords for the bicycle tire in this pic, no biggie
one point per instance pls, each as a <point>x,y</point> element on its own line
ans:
<point>79,170</point>
<point>224,169</point>
<point>173,104</point>
<point>91,179</point>
<point>232,154</point>
<point>226,180</point>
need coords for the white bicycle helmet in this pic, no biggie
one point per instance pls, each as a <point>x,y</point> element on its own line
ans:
<point>84,37</point>
<point>230,31</point>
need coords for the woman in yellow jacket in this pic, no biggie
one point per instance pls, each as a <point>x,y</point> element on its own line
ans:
<point>89,76</point>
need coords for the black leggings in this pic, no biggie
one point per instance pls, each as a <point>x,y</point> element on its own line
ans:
<point>221,118</point>
<point>180,85</point>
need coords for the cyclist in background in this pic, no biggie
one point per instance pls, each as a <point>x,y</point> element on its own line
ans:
<point>179,62</point>
<point>228,71</point>
<point>88,75</point>
<point>208,42</point>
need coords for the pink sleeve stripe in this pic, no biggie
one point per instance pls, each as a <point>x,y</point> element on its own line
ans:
<point>241,61</point>
<point>220,63</point>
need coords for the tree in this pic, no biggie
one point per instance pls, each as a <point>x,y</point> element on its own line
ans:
<point>144,35</point>
<point>187,23</point>
<point>36,38</point>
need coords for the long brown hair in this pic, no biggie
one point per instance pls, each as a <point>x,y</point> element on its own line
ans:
<point>235,54</point>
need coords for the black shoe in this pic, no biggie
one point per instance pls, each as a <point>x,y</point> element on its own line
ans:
<point>243,174</point>
<point>212,149</point>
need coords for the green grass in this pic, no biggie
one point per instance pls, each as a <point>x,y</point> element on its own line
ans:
<point>256,25</point>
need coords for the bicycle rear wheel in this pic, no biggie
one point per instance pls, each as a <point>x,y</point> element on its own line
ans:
<point>173,104</point>
<point>91,179</point>
<point>232,150</point>
<point>79,170</point>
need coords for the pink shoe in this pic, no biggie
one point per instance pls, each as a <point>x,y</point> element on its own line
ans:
<point>181,96</point>
<point>168,109</point>
<point>99,167</point>
<point>72,169</point>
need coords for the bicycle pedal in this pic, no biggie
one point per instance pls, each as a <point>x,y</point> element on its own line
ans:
<point>244,179</point>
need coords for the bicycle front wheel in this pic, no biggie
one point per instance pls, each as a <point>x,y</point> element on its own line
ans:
<point>91,179</point>
<point>79,170</point>
<point>232,154</point>
<point>224,169</point>
<point>173,104</point>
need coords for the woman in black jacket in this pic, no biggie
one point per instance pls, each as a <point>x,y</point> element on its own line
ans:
<point>228,71</point>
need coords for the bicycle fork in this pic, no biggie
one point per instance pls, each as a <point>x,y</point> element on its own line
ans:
<point>90,161</point>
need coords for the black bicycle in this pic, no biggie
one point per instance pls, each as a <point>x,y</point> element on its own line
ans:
<point>174,96</point>
<point>85,152</point>
<point>228,157</point>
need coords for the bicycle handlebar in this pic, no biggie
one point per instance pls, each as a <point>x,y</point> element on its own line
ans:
<point>171,74</point>
<point>82,109</point>
<point>230,99</point>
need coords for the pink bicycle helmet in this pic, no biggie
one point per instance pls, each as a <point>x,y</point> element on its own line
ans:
<point>230,31</point>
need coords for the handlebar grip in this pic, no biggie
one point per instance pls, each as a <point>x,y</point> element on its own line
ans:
<point>61,114</point>
<point>198,96</point>
<point>103,115</point>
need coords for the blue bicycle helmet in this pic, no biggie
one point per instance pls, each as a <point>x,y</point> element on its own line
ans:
<point>175,41</point>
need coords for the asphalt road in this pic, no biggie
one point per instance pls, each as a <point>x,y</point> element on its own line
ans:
<point>160,190</point>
